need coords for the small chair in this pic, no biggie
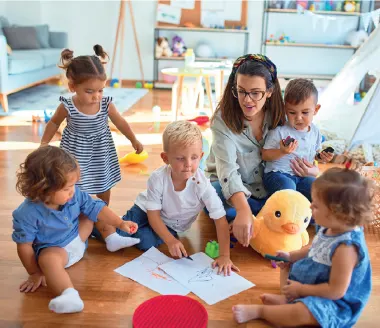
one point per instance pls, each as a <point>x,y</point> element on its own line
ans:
<point>191,95</point>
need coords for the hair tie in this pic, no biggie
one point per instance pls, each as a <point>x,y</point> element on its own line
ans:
<point>256,58</point>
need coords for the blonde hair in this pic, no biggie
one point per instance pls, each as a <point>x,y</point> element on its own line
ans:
<point>347,194</point>
<point>183,133</point>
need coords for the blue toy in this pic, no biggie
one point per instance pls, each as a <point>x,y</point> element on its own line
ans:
<point>113,82</point>
<point>48,116</point>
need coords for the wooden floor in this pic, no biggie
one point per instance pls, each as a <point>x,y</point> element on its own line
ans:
<point>109,298</point>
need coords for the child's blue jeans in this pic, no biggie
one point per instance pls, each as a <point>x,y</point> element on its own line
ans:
<point>148,237</point>
<point>254,203</point>
<point>275,181</point>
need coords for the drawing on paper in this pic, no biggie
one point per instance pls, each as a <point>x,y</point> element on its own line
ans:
<point>156,275</point>
<point>202,275</point>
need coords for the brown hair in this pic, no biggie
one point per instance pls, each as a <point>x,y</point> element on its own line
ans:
<point>347,194</point>
<point>229,107</point>
<point>44,172</point>
<point>82,68</point>
<point>299,90</point>
<point>181,133</point>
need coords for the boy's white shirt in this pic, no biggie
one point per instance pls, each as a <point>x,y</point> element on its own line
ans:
<point>179,209</point>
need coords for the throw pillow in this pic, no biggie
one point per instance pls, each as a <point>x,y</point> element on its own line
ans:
<point>43,35</point>
<point>22,37</point>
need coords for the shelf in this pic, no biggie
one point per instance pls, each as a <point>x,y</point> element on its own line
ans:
<point>310,45</point>
<point>306,76</point>
<point>205,59</point>
<point>295,11</point>
<point>200,29</point>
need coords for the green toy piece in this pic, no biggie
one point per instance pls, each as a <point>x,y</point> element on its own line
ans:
<point>139,85</point>
<point>212,249</point>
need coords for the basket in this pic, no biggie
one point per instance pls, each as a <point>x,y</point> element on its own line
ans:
<point>373,173</point>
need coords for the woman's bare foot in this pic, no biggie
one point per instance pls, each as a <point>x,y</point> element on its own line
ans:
<point>244,313</point>
<point>273,299</point>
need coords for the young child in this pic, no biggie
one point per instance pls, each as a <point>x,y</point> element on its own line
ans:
<point>47,231</point>
<point>87,135</point>
<point>301,104</point>
<point>329,282</point>
<point>176,193</point>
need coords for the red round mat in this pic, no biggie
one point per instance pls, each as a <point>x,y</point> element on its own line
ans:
<point>170,311</point>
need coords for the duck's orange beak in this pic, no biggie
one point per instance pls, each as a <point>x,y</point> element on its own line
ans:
<point>290,228</point>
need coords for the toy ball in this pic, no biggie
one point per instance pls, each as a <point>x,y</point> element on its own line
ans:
<point>133,158</point>
<point>113,81</point>
<point>204,50</point>
<point>116,85</point>
<point>148,85</point>
<point>139,85</point>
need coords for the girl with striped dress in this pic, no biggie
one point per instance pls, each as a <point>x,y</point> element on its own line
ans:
<point>87,135</point>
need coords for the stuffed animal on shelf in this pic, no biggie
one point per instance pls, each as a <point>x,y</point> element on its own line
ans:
<point>163,48</point>
<point>178,46</point>
<point>282,223</point>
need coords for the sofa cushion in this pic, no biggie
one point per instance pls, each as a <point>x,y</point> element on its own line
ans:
<point>22,37</point>
<point>21,62</point>
<point>49,56</point>
<point>43,35</point>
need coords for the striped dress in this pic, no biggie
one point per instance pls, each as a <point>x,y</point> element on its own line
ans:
<point>88,138</point>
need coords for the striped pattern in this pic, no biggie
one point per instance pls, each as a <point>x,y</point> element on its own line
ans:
<point>89,139</point>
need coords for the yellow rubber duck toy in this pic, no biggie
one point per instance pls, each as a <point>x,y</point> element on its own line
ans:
<point>282,223</point>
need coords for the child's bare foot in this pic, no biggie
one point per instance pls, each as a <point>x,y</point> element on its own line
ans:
<point>273,299</point>
<point>244,313</point>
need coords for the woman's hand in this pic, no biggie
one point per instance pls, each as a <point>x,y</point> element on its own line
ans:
<point>303,168</point>
<point>242,227</point>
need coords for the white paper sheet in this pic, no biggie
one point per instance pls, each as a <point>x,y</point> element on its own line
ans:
<point>168,14</point>
<point>184,4</point>
<point>212,19</point>
<point>202,280</point>
<point>144,270</point>
<point>212,5</point>
<point>232,10</point>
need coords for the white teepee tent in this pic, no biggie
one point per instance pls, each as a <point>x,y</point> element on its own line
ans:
<point>358,124</point>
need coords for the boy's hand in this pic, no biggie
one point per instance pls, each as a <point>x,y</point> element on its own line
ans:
<point>292,290</point>
<point>176,248</point>
<point>225,265</point>
<point>326,157</point>
<point>34,281</point>
<point>129,226</point>
<point>137,145</point>
<point>290,148</point>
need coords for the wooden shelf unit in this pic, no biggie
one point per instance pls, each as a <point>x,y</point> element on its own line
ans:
<point>295,11</point>
<point>310,45</point>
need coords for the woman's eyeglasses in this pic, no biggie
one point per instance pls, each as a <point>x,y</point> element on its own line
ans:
<point>254,95</point>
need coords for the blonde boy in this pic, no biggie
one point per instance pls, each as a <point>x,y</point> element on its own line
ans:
<point>176,193</point>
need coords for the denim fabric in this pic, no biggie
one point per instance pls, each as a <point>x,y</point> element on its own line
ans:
<point>275,181</point>
<point>148,237</point>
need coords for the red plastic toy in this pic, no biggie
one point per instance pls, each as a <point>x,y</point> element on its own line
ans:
<point>200,120</point>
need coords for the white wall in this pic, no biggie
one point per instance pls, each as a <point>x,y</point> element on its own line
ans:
<point>91,22</point>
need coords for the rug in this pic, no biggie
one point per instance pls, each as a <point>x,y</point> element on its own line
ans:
<point>33,101</point>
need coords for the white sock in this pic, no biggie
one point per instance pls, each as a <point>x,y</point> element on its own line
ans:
<point>114,242</point>
<point>68,302</point>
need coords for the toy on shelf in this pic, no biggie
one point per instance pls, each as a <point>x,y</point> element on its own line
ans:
<point>138,85</point>
<point>113,82</point>
<point>36,118</point>
<point>178,46</point>
<point>133,158</point>
<point>212,249</point>
<point>148,85</point>
<point>200,120</point>
<point>282,39</point>
<point>163,48</point>
<point>204,50</point>
<point>349,6</point>
<point>282,223</point>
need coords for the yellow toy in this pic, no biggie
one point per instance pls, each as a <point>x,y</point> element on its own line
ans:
<point>133,158</point>
<point>282,223</point>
